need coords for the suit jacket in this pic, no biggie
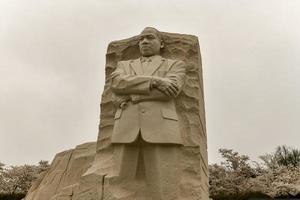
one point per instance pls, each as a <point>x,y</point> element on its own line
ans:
<point>150,112</point>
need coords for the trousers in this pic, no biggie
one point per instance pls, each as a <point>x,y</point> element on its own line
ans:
<point>157,164</point>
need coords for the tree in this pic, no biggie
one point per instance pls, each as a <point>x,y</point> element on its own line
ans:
<point>43,166</point>
<point>1,166</point>
<point>18,179</point>
<point>287,156</point>
<point>232,176</point>
<point>1,176</point>
<point>236,178</point>
<point>283,156</point>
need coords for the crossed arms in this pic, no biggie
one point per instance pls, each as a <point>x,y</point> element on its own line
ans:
<point>138,88</point>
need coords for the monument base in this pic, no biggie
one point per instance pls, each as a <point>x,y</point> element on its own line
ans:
<point>74,175</point>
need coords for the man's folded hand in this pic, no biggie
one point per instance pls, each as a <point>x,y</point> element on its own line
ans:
<point>165,85</point>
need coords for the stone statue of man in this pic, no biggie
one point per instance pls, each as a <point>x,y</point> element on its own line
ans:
<point>147,147</point>
<point>146,136</point>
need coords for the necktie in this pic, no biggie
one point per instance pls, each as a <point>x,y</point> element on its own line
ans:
<point>145,63</point>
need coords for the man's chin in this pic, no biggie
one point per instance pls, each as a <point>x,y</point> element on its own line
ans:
<point>147,54</point>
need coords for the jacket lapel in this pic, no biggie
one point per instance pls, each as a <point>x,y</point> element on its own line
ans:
<point>136,65</point>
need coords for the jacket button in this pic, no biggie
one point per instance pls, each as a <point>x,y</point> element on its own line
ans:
<point>143,110</point>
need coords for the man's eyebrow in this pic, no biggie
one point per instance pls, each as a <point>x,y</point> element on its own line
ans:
<point>146,35</point>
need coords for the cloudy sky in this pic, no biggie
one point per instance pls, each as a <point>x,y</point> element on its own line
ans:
<point>52,57</point>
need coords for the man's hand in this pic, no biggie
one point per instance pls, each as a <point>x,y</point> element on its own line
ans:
<point>165,85</point>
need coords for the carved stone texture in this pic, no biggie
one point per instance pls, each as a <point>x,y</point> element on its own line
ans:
<point>190,110</point>
<point>61,180</point>
<point>95,183</point>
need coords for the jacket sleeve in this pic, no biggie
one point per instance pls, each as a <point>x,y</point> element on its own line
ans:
<point>177,72</point>
<point>154,95</point>
<point>125,83</point>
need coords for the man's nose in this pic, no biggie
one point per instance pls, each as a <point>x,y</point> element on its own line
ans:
<point>144,41</point>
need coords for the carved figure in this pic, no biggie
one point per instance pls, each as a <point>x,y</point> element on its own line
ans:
<point>146,132</point>
<point>152,141</point>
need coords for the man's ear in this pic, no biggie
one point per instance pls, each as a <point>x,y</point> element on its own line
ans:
<point>162,45</point>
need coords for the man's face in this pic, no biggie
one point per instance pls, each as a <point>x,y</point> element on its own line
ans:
<point>150,44</point>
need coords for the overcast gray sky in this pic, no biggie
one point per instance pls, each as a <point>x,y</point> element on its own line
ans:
<point>52,57</point>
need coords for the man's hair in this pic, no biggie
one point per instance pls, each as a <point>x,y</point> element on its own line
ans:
<point>151,29</point>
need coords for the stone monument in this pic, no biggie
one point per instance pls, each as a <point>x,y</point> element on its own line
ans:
<point>152,142</point>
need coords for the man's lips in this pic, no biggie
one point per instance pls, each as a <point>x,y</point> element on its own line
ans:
<point>145,47</point>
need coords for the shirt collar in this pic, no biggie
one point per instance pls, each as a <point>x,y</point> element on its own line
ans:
<point>149,59</point>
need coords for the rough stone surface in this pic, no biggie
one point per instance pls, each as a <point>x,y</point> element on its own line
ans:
<point>61,180</point>
<point>85,176</point>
